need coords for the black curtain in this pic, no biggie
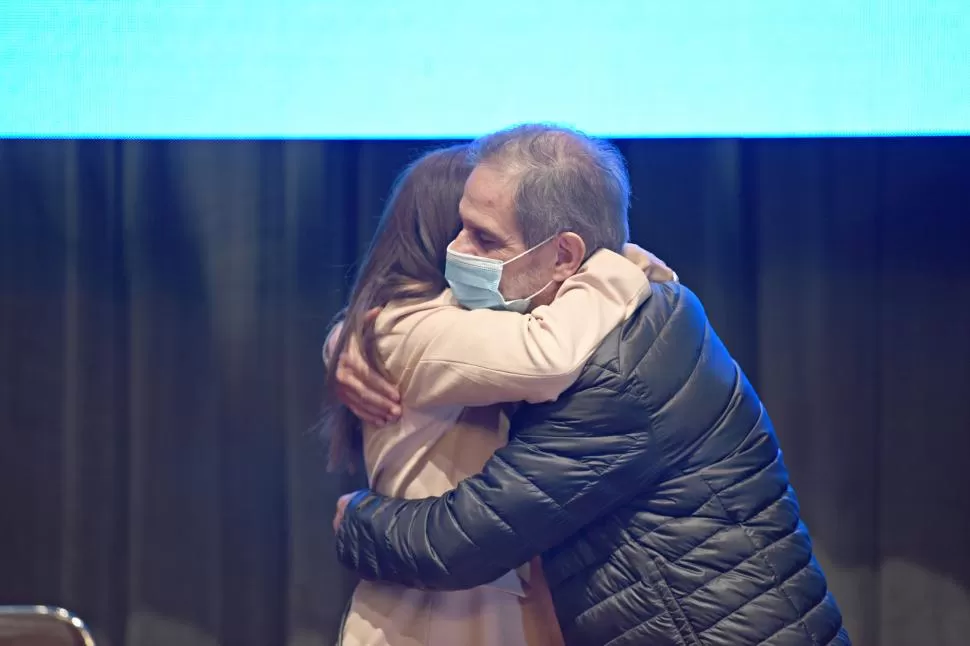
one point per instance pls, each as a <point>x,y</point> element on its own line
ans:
<point>164,303</point>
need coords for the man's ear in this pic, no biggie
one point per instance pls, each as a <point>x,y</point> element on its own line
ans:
<point>570,253</point>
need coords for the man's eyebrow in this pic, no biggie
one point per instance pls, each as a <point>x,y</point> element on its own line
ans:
<point>471,223</point>
<point>484,230</point>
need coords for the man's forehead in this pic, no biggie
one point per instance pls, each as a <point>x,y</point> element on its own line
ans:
<point>488,187</point>
<point>472,216</point>
<point>487,199</point>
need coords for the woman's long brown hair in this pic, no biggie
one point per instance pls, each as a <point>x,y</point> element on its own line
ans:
<point>406,259</point>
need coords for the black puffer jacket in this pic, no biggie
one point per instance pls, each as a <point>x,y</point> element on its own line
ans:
<point>654,489</point>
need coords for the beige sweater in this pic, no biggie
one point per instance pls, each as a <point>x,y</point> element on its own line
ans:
<point>456,368</point>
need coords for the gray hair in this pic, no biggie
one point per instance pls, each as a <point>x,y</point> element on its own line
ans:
<point>564,181</point>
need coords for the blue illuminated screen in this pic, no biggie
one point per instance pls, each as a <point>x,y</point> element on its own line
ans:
<point>447,69</point>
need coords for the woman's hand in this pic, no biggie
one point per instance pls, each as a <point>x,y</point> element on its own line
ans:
<point>655,268</point>
<point>338,516</point>
<point>361,388</point>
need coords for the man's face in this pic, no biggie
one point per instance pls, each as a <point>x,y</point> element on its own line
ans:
<point>491,230</point>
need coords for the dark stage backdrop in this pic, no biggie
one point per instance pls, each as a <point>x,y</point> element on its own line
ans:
<point>164,303</point>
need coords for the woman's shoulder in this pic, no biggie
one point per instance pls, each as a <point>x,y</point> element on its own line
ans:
<point>405,324</point>
<point>410,311</point>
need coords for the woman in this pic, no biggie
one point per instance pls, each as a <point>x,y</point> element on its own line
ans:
<point>452,393</point>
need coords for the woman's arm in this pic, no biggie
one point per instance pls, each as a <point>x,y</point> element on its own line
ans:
<point>483,357</point>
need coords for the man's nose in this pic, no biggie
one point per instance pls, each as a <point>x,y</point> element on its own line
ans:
<point>463,244</point>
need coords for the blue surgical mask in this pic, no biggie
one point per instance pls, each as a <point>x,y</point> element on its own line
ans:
<point>474,281</point>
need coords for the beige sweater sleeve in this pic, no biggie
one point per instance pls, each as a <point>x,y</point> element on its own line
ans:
<point>447,355</point>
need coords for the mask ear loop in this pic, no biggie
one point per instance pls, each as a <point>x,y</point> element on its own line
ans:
<point>529,250</point>
<point>529,299</point>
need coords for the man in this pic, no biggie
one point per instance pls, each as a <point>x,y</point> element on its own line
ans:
<point>653,488</point>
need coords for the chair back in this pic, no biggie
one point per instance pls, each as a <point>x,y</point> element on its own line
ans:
<point>41,626</point>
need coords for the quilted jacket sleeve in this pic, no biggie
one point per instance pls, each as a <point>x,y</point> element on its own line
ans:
<point>570,462</point>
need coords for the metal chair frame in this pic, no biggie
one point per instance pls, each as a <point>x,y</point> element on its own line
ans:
<point>71,621</point>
